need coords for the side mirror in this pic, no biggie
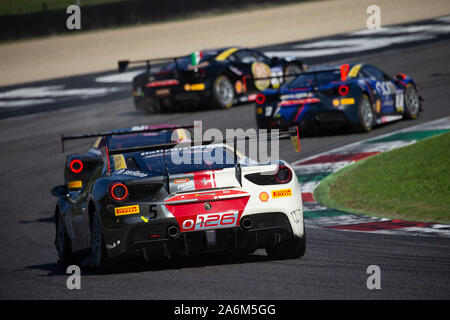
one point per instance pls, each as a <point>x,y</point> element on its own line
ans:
<point>60,191</point>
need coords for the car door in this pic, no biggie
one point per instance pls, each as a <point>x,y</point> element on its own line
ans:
<point>384,88</point>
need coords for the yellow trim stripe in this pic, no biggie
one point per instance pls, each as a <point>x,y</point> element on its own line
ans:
<point>77,184</point>
<point>354,71</point>
<point>345,101</point>
<point>119,162</point>
<point>197,87</point>
<point>226,53</point>
<point>97,142</point>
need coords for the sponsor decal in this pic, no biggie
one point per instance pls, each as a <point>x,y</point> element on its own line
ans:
<point>121,211</point>
<point>131,173</point>
<point>261,70</point>
<point>264,196</point>
<point>276,71</point>
<point>180,181</point>
<point>281,193</point>
<point>299,95</point>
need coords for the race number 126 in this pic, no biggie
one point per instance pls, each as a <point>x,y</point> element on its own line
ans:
<point>210,221</point>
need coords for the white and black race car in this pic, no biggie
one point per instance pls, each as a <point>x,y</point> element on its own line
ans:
<point>141,201</point>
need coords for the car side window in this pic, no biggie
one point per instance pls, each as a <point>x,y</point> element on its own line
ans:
<point>373,73</point>
<point>245,56</point>
<point>261,58</point>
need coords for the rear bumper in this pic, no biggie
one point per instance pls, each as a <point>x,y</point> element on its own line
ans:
<point>327,117</point>
<point>152,240</point>
<point>324,113</point>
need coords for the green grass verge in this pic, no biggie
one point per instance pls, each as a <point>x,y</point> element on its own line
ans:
<point>411,183</point>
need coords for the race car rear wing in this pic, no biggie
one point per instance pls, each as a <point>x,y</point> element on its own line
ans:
<point>125,132</point>
<point>293,133</point>
<point>123,64</point>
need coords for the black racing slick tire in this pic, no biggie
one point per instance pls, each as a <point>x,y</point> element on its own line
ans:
<point>151,106</point>
<point>62,242</point>
<point>412,103</point>
<point>222,93</point>
<point>100,260</point>
<point>366,115</point>
<point>290,249</point>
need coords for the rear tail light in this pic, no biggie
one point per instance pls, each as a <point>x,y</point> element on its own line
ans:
<point>260,98</point>
<point>76,166</point>
<point>162,83</point>
<point>283,175</point>
<point>118,191</point>
<point>343,90</point>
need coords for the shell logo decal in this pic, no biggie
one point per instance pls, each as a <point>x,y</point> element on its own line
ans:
<point>261,70</point>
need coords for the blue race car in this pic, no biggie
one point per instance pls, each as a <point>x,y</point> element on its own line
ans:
<point>360,95</point>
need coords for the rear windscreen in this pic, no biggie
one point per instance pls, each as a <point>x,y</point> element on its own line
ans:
<point>315,79</point>
<point>183,160</point>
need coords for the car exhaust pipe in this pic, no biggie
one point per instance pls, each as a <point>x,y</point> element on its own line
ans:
<point>173,231</point>
<point>246,223</point>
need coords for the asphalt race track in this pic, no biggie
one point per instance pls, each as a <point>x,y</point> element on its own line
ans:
<point>334,265</point>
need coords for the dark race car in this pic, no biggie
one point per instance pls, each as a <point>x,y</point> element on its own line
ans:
<point>79,167</point>
<point>360,95</point>
<point>217,78</point>
<point>141,202</point>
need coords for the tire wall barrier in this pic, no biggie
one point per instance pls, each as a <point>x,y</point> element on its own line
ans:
<point>126,13</point>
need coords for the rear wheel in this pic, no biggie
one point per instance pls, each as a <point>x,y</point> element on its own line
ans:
<point>412,105</point>
<point>151,105</point>
<point>100,259</point>
<point>62,243</point>
<point>289,249</point>
<point>222,92</point>
<point>366,115</point>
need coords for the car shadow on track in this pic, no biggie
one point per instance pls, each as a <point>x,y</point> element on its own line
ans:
<point>138,265</point>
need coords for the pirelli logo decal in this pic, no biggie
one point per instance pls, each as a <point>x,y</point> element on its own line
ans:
<point>282,193</point>
<point>121,211</point>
